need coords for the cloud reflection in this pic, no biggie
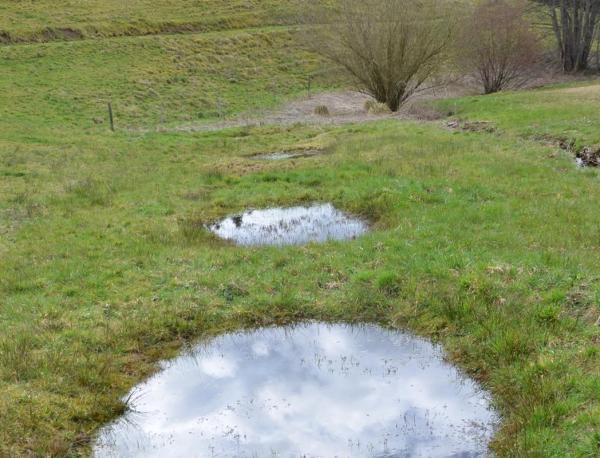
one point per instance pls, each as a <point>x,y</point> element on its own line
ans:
<point>310,391</point>
<point>289,226</point>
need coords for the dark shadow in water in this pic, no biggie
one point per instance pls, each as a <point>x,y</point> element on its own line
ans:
<point>289,226</point>
<point>314,390</point>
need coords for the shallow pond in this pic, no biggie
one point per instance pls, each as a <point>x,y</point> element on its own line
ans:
<point>314,390</point>
<point>289,226</point>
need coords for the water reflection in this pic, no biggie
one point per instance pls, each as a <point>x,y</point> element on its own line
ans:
<point>310,391</point>
<point>289,226</point>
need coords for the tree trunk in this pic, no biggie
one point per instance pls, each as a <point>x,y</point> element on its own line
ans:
<point>574,23</point>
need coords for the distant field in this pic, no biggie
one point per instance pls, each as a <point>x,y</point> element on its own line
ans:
<point>48,20</point>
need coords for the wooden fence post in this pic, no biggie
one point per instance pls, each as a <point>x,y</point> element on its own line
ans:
<point>110,117</point>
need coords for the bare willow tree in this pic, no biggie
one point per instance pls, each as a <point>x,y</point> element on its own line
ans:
<point>390,47</point>
<point>574,24</point>
<point>498,45</point>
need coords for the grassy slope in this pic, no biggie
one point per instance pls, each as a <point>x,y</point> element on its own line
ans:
<point>478,240</point>
<point>44,20</point>
<point>568,111</point>
<point>151,81</point>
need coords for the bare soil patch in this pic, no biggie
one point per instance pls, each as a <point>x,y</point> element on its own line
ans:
<point>347,106</point>
<point>342,107</point>
<point>288,154</point>
<point>472,126</point>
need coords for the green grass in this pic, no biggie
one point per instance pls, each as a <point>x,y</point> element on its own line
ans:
<point>480,241</point>
<point>49,20</point>
<point>569,111</point>
<point>152,82</point>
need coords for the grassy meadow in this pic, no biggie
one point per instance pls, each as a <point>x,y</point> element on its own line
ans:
<point>485,242</point>
<point>560,111</point>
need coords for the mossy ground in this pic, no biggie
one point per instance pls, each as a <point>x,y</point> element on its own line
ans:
<point>487,242</point>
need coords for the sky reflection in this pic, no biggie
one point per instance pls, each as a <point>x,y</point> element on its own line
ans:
<point>289,226</point>
<point>314,390</point>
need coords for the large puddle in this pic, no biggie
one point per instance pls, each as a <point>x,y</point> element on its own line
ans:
<point>289,226</point>
<point>313,390</point>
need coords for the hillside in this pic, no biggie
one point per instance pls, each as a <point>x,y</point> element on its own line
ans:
<point>24,21</point>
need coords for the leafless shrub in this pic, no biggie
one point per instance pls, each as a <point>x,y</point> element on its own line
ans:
<point>390,47</point>
<point>498,45</point>
<point>376,108</point>
<point>369,104</point>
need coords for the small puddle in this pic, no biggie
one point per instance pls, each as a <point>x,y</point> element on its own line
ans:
<point>588,156</point>
<point>280,155</point>
<point>313,390</point>
<point>289,226</point>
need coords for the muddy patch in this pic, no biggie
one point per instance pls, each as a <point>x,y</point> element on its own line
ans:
<point>313,390</point>
<point>289,226</point>
<point>289,154</point>
<point>60,33</point>
<point>588,156</point>
<point>472,126</point>
<point>5,37</point>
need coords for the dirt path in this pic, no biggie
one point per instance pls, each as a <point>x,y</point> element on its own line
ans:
<point>349,107</point>
<point>343,107</point>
